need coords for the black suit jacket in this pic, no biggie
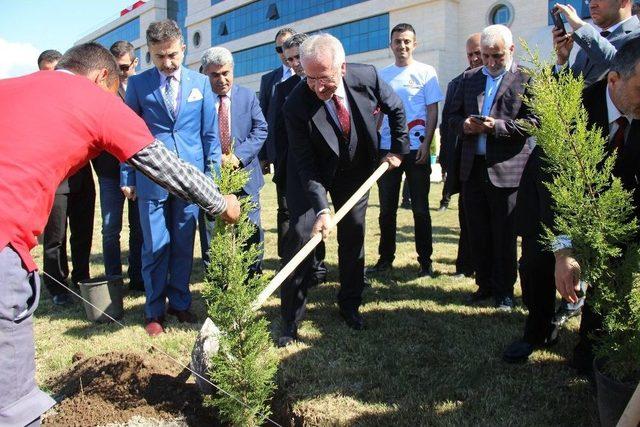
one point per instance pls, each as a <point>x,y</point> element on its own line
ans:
<point>313,143</point>
<point>534,204</point>
<point>507,150</point>
<point>277,128</point>
<point>450,149</point>
<point>267,83</point>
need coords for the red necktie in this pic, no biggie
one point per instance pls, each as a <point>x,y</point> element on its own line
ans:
<point>617,142</point>
<point>343,116</point>
<point>223,124</point>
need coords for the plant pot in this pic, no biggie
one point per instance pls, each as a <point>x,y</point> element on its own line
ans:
<point>612,398</point>
<point>104,296</point>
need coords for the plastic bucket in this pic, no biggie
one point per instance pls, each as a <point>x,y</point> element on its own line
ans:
<point>105,295</point>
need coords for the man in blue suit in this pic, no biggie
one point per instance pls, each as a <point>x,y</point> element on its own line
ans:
<point>241,130</point>
<point>177,105</point>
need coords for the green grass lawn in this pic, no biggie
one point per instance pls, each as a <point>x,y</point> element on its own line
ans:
<point>426,358</point>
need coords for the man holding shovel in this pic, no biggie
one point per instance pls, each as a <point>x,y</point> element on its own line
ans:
<point>333,147</point>
<point>53,123</point>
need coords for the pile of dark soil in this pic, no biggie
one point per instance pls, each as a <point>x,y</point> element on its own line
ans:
<point>114,387</point>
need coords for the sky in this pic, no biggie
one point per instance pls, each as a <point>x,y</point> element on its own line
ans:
<point>27,27</point>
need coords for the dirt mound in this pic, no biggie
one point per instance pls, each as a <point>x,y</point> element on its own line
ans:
<point>114,387</point>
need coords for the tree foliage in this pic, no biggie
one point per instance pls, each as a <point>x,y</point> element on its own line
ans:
<point>246,362</point>
<point>593,209</point>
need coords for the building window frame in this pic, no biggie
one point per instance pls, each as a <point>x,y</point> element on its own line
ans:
<point>196,39</point>
<point>493,10</point>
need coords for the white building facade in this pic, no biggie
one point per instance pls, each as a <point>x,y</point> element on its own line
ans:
<point>248,28</point>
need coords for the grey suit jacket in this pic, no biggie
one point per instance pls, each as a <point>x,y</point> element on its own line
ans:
<point>596,52</point>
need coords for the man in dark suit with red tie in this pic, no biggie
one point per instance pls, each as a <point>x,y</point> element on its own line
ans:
<point>486,114</point>
<point>333,147</point>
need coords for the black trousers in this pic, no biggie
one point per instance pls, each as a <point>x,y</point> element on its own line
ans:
<point>491,223</point>
<point>79,208</point>
<point>351,229</point>
<point>537,266</point>
<point>282,217</point>
<point>464,260</point>
<point>389,190</point>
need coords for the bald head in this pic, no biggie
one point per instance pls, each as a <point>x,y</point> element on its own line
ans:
<point>473,50</point>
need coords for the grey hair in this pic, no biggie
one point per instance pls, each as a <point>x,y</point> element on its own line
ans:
<point>217,56</point>
<point>295,40</point>
<point>321,45</point>
<point>493,33</point>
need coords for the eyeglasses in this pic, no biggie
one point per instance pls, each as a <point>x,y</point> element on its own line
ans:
<point>279,49</point>
<point>124,67</point>
<point>322,80</point>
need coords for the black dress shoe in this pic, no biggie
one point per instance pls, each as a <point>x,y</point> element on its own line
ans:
<point>353,319</point>
<point>382,266</point>
<point>288,335</point>
<point>517,352</point>
<point>480,295</point>
<point>426,271</point>
<point>520,350</point>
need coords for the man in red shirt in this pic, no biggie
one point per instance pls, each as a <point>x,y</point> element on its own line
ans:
<point>52,124</point>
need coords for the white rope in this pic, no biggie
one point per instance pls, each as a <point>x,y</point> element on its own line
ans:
<point>177,362</point>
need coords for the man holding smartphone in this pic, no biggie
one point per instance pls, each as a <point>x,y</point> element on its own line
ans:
<point>613,25</point>
<point>487,114</point>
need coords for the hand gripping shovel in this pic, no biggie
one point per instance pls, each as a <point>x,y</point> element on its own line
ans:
<point>311,244</point>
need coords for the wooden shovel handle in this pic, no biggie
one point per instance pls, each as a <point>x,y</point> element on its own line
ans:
<point>631,415</point>
<point>311,244</point>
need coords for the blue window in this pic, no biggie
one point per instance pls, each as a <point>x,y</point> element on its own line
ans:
<point>177,10</point>
<point>581,6</point>
<point>129,32</point>
<point>260,16</point>
<point>501,15</point>
<point>356,37</point>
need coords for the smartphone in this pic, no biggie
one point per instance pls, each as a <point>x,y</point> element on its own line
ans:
<point>478,117</point>
<point>557,20</point>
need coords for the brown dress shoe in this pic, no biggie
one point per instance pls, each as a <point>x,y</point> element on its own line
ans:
<point>154,327</point>
<point>183,315</point>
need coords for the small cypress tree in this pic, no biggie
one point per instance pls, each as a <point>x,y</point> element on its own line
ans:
<point>246,362</point>
<point>594,210</point>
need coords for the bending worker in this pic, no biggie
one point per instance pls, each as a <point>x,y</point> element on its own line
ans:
<point>53,123</point>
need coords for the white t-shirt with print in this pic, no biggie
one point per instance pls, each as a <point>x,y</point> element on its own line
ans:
<point>417,86</point>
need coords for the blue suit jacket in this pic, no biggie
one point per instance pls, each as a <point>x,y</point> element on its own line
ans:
<point>192,135</point>
<point>249,129</point>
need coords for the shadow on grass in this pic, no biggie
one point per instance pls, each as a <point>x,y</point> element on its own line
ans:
<point>424,359</point>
